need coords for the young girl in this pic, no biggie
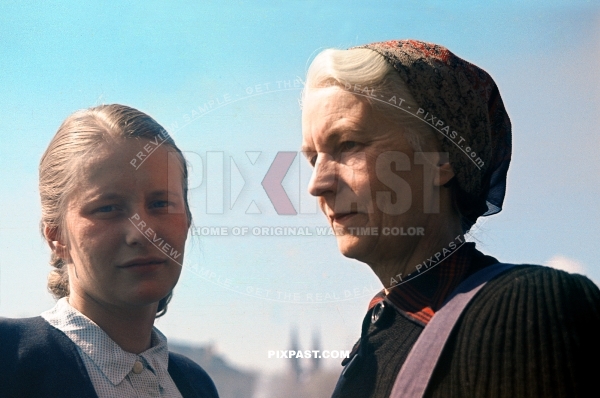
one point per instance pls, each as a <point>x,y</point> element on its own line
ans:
<point>112,184</point>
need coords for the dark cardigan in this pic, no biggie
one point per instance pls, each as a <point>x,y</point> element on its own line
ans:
<point>38,360</point>
<point>531,332</point>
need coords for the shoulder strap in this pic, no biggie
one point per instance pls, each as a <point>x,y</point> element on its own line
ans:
<point>414,376</point>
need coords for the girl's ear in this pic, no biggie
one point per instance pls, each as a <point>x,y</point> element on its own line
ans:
<point>56,244</point>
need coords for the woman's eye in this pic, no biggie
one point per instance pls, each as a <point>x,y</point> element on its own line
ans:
<point>348,145</point>
<point>311,157</point>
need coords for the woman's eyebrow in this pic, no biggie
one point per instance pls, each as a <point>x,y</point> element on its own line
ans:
<point>306,149</point>
<point>334,135</point>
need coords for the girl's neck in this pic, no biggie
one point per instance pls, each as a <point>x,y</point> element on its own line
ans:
<point>130,328</point>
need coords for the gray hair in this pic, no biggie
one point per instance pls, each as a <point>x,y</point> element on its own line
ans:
<point>366,73</point>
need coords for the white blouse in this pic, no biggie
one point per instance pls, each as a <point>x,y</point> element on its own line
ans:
<point>114,372</point>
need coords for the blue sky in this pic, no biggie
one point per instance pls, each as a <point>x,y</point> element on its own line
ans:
<point>169,58</point>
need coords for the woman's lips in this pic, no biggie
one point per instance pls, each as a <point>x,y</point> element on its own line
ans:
<point>343,218</point>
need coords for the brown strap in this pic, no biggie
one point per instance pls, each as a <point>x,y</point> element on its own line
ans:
<point>414,376</point>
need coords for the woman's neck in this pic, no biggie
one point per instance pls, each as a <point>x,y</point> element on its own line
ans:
<point>130,328</point>
<point>445,237</point>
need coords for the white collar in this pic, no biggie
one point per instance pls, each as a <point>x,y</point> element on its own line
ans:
<point>111,360</point>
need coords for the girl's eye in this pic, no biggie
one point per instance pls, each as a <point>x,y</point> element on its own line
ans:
<point>105,209</point>
<point>160,204</point>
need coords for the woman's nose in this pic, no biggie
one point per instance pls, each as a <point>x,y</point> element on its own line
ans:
<point>324,176</point>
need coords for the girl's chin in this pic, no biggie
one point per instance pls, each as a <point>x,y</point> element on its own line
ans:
<point>148,296</point>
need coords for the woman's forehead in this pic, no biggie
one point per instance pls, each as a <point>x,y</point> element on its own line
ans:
<point>330,109</point>
<point>333,98</point>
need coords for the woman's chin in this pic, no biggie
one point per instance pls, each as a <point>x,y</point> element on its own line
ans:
<point>356,247</point>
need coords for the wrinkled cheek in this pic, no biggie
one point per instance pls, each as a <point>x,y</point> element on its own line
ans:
<point>353,173</point>
<point>322,205</point>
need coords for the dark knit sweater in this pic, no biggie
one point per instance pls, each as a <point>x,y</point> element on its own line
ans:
<point>531,332</point>
<point>38,360</point>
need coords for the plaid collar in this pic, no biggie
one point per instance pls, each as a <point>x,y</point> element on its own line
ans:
<point>421,297</point>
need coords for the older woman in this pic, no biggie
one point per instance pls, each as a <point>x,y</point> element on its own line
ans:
<point>113,188</point>
<point>410,145</point>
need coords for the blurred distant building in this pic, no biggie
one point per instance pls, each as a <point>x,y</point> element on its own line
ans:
<point>304,377</point>
<point>230,382</point>
<point>316,345</point>
<point>295,362</point>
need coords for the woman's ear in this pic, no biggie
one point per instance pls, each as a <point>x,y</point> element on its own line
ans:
<point>444,170</point>
<point>445,174</point>
<point>55,242</point>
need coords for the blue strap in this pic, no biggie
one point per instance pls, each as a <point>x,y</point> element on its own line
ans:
<point>414,376</point>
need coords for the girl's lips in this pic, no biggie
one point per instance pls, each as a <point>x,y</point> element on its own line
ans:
<point>143,261</point>
<point>145,267</point>
<point>145,264</point>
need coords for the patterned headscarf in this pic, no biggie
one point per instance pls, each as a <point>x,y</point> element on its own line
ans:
<point>462,103</point>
